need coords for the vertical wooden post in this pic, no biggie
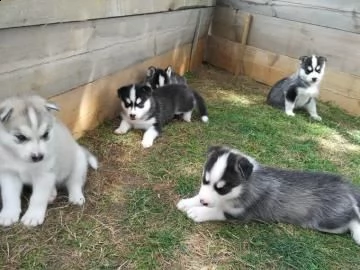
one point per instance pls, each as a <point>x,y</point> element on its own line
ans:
<point>239,68</point>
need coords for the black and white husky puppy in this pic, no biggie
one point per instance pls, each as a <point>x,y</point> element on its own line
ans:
<point>301,89</point>
<point>144,108</point>
<point>158,77</point>
<point>235,186</point>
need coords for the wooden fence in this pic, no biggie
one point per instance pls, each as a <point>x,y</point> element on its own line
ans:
<point>90,47</point>
<point>281,31</point>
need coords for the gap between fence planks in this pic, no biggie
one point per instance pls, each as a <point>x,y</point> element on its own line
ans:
<point>342,89</point>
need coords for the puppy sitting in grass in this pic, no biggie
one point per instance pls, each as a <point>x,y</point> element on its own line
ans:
<point>37,150</point>
<point>235,186</point>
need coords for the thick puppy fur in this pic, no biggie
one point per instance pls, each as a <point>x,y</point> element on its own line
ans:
<point>148,109</point>
<point>36,149</point>
<point>301,89</point>
<point>235,186</point>
<point>158,77</point>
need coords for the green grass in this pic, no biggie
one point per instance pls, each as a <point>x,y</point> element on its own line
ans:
<point>130,220</point>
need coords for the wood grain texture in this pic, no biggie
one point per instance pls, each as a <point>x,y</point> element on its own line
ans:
<point>292,39</point>
<point>339,88</point>
<point>50,60</point>
<point>15,13</point>
<point>83,108</point>
<point>337,14</point>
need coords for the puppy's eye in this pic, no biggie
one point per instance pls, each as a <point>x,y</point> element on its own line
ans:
<point>140,105</point>
<point>21,138</point>
<point>220,184</point>
<point>45,136</point>
<point>309,68</point>
<point>317,68</point>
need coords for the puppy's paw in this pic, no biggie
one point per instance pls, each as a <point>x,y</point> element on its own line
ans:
<point>290,113</point>
<point>198,214</point>
<point>8,218</point>
<point>120,130</point>
<point>52,196</point>
<point>185,204</point>
<point>77,199</point>
<point>147,143</point>
<point>316,117</point>
<point>33,218</point>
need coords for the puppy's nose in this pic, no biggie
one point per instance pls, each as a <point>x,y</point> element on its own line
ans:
<point>132,116</point>
<point>203,202</point>
<point>314,79</point>
<point>37,157</point>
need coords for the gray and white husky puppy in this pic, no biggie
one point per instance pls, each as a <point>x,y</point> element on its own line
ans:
<point>235,186</point>
<point>301,89</point>
<point>158,77</point>
<point>38,150</point>
<point>148,109</point>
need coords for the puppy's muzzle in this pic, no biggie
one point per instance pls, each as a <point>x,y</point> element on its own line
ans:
<point>132,116</point>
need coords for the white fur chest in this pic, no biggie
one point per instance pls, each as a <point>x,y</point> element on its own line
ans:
<point>28,172</point>
<point>141,124</point>
<point>304,94</point>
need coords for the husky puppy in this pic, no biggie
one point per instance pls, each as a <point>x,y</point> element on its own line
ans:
<point>235,186</point>
<point>36,149</point>
<point>144,108</point>
<point>158,77</point>
<point>301,89</point>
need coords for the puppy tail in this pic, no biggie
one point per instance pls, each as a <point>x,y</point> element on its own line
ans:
<point>91,159</point>
<point>200,102</point>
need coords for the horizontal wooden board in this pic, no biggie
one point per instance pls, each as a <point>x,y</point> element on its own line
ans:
<point>89,52</point>
<point>338,14</point>
<point>15,13</point>
<point>31,46</point>
<point>292,39</point>
<point>266,67</point>
<point>83,108</point>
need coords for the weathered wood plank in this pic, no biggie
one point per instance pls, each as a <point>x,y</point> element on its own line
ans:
<point>338,14</point>
<point>34,45</point>
<point>83,108</point>
<point>292,38</point>
<point>340,88</point>
<point>15,13</point>
<point>96,55</point>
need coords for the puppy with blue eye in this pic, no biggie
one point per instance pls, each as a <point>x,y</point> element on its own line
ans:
<point>301,89</point>
<point>36,149</point>
<point>149,110</point>
<point>235,186</point>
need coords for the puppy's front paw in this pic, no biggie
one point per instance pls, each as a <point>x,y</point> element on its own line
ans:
<point>78,199</point>
<point>185,204</point>
<point>52,196</point>
<point>316,117</point>
<point>290,113</point>
<point>33,218</point>
<point>7,218</point>
<point>147,143</point>
<point>120,130</point>
<point>198,213</point>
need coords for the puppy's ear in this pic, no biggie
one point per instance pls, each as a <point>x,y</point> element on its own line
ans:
<point>303,58</point>
<point>147,89</point>
<point>168,71</point>
<point>213,149</point>
<point>5,113</point>
<point>51,106</point>
<point>322,58</point>
<point>151,71</point>
<point>244,166</point>
<point>123,89</point>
